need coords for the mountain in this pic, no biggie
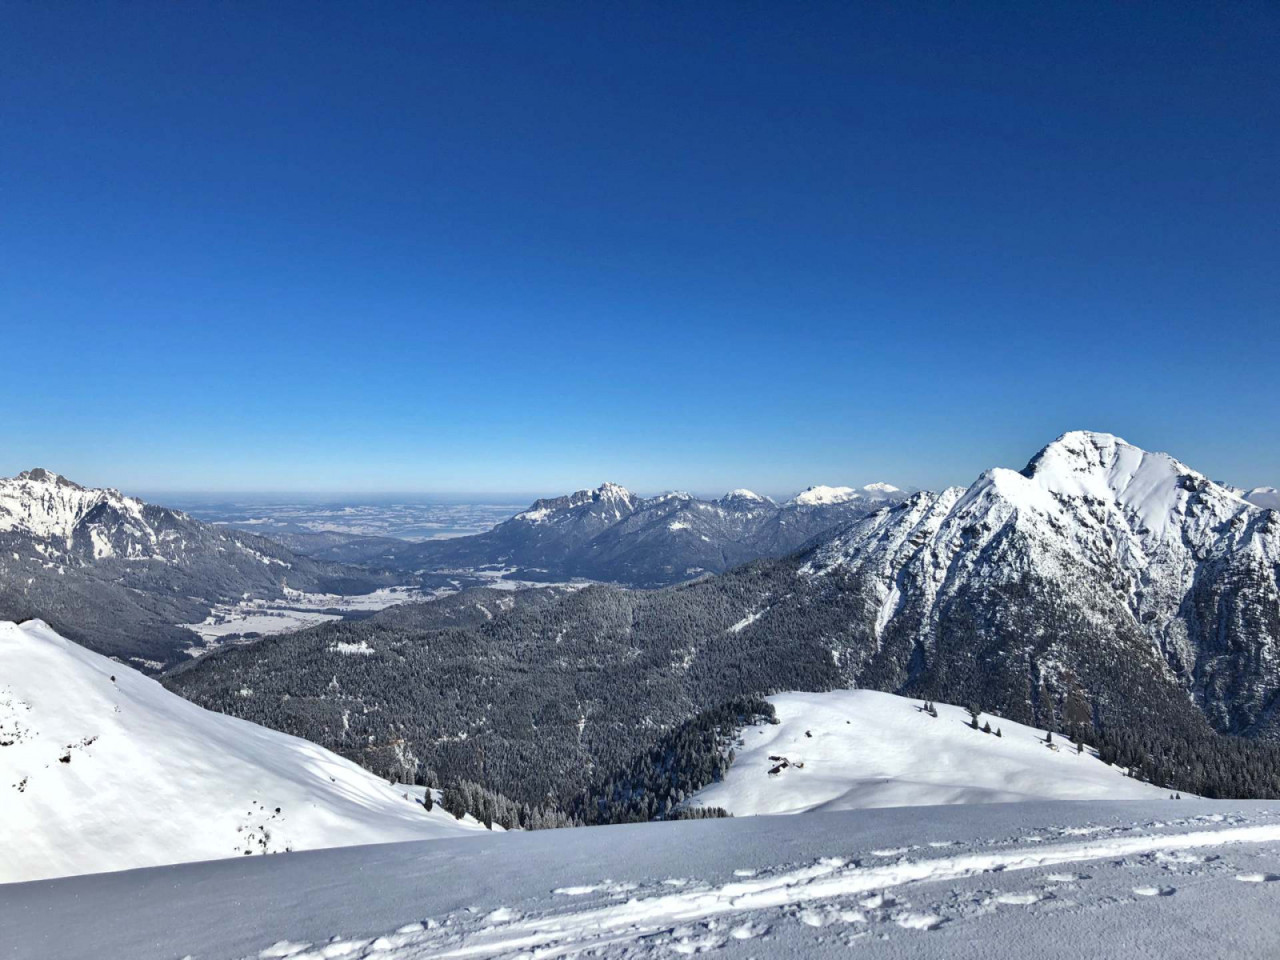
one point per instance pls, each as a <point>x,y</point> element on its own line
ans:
<point>104,769</point>
<point>1096,549</point>
<point>120,575</point>
<point>611,534</point>
<point>1102,588</point>
<point>855,749</point>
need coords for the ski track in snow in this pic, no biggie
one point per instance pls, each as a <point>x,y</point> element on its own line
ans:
<point>855,895</point>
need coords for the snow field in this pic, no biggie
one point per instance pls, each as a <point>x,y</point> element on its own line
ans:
<point>854,749</point>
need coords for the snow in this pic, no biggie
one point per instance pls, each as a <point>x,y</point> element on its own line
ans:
<point>745,622</point>
<point>535,516</point>
<point>1105,467</point>
<point>46,506</point>
<point>854,749</point>
<point>1043,880</point>
<point>106,774</point>
<point>297,611</point>
<point>880,488</point>
<point>814,496</point>
<point>677,525</point>
<point>361,648</point>
<point>1087,502</point>
<point>743,494</point>
<point>615,493</point>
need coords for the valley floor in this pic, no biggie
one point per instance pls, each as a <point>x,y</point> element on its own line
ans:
<point>1160,879</point>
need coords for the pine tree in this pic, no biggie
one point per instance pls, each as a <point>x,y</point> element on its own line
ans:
<point>986,727</point>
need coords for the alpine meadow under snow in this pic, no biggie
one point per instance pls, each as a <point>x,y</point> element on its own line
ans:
<point>854,749</point>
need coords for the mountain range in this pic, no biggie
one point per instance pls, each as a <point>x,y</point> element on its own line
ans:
<point>121,576</point>
<point>1100,588</point>
<point>126,577</point>
<point>611,534</point>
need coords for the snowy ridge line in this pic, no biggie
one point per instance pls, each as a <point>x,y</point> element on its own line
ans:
<point>504,932</point>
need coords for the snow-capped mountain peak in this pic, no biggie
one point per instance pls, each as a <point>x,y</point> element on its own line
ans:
<point>818,495</point>
<point>880,488</point>
<point>46,506</point>
<point>1139,539</point>
<point>745,499</point>
<point>614,492</point>
<point>1154,491</point>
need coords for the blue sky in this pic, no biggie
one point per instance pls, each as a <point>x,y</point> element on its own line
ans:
<point>530,246</point>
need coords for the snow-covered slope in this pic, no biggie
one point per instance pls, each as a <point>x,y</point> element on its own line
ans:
<point>1147,880</point>
<point>103,769</point>
<point>852,749</point>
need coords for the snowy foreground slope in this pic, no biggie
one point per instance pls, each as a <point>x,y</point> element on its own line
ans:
<point>103,769</point>
<point>852,749</point>
<point>1138,879</point>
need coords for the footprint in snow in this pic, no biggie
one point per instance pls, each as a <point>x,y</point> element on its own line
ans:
<point>1155,891</point>
<point>1020,899</point>
<point>919,921</point>
<point>283,948</point>
<point>749,931</point>
<point>1067,877</point>
<point>418,927</point>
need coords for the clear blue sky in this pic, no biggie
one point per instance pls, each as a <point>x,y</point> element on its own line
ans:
<point>532,246</point>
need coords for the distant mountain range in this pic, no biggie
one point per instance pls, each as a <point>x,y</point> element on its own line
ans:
<point>1101,588</point>
<point>611,534</point>
<point>123,576</point>
<point>120,576</point>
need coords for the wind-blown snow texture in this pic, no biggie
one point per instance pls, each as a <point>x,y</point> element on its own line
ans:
<point>1158,879</point>
<point>103,769</point>
<point>852,749</point>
